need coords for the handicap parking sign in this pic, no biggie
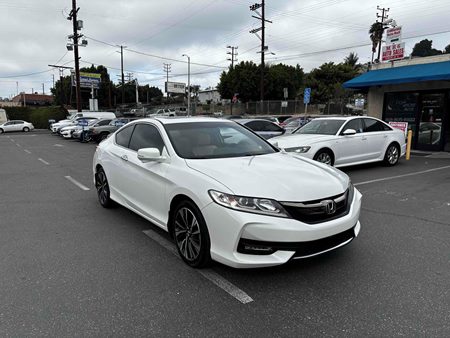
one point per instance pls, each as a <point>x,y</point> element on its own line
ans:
<point>307,95</point>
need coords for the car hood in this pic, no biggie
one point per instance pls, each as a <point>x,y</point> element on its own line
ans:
<point>295,140</point>
<point>279,176</point>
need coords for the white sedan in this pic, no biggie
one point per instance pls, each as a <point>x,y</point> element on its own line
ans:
<point>16,125</point>
<point>220,191</point>
<point>345,141</point>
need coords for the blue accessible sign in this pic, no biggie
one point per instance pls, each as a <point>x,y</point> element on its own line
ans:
<point>83,123</point>
<point>307,95</point>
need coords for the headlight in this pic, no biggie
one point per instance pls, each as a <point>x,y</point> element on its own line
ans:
<point>261,206</point>
<point>299,150</point>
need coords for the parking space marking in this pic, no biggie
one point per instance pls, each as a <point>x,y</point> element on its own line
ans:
<point>27,151</point>
<point>209,274</point>
<point>78,184</point>
<point>17,144</point>
<point>401,176</point>
<point>58,145</point>
<point>43,161</point>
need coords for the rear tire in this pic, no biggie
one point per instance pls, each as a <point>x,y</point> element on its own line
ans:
<point>102,187</point>
<point>26,129</point>
<point>191,235</point>
<point>392,155</point>
<point>324,156</point>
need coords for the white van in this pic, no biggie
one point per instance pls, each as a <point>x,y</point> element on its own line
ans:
<point>3,116</point>
<point>97,114</point>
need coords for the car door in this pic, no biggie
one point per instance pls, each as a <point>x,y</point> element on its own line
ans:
<point>18,125</point>
<point>377,138</point>
<point>115,163</point>
<point>351,148</point>
<point>8,126</point>
<point>146,182</point>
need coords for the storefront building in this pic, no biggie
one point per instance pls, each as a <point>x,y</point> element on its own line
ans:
<point>416,91</point>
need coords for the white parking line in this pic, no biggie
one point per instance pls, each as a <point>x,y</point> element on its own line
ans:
<point>209,274</point>
<point>78,184</point>
<point>17,144</point>
<point>58,145</point>
<point>27,151</point>
<point>43,161</point>
<point>401,176</point>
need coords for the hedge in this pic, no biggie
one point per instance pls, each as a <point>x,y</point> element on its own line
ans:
<point>39,116</point>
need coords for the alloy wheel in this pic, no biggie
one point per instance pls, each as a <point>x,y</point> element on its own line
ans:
<point>187,234</point>
<point>324,158</point>
<point>392,155</point>
<point>101,184</point>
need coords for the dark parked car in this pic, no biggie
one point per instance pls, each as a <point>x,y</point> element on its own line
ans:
<point>99,133</point>
<point>264,128</point>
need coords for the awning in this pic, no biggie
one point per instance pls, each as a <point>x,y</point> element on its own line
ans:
<point>404,74</point>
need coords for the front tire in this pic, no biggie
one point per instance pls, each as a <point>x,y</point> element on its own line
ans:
<point>392,155</point>
<point>191,235</point>
<point>102,187</point>
<point>324,156</point>
<point>1,131</point>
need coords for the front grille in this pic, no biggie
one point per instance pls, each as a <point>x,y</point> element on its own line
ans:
<point>302,249</point>
<point>318,211</point>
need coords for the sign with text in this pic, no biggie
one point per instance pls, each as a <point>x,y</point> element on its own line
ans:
<point>392,52</point>
<point>88,80</point>
<point>403,126</point>
<point>175,87</point>
<point>393,35</point>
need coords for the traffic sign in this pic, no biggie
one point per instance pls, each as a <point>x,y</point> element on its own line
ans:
<point>307,95</point>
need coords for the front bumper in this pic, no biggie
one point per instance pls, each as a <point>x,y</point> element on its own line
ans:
<point>288,239</point>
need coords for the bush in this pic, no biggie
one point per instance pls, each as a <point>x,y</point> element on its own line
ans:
<point>39,116</point>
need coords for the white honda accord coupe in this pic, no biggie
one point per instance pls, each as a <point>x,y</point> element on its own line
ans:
<point>224,193</point>
<point>345,141</point>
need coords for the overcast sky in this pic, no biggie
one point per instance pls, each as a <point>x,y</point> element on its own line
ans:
<point>34,34</point>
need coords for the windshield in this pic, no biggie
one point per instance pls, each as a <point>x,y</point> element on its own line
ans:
<point>204,140</point>
<point>321,127</point>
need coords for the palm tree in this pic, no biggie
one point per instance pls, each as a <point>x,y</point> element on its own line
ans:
<point>376,35</point>
<point>352,60</point>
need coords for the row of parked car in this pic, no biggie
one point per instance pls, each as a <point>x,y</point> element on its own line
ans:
<point>337,141</point>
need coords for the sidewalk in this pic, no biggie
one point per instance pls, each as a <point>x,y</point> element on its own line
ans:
<point>430,154</point>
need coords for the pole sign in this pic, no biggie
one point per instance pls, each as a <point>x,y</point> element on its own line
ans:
<point>87,80</point>
<point>393,52</point>
<point>307,96</point>
<point>285,92</point>
<point>393,35</point>
<point>176,87</point>
<point>83,123</point>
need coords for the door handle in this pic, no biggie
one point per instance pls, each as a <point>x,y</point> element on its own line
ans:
<point>364,138</point>
<point>124,157</point>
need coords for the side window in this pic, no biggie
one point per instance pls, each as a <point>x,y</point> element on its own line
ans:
<point>103,123</point>
<point>372,126</point>
<point>267,126</point>
<point>356,124</point>
<point>146,136</point>
<point>123,136</point>
<point>255,125</point>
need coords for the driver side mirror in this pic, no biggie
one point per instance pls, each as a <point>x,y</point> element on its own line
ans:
<point>349,132</point>
<point>150,155</point>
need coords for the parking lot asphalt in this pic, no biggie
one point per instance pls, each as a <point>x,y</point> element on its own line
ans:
<point>71,268</point>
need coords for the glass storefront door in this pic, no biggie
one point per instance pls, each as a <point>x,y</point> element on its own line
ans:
<point>431,129</point>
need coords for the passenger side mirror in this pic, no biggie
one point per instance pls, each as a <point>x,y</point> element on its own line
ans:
<point>349,132</point>
<point>150,155</point>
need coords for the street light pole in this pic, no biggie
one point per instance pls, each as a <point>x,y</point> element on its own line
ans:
<point>189,84</point>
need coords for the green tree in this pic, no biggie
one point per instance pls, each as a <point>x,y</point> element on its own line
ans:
<point>245,79</point>
<point>425,48</point>
<point>447,49</point>
<point>352,60</point>
<point>325,81</point>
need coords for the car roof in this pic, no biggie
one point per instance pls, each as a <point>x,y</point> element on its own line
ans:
<point>183,119</point>
<point>250,120</point>
<point>344,118</point>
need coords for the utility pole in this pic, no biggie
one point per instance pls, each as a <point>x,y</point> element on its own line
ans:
<point>76,27</point>
<point>261,16</point>
<point>53,79</point>
<point>17,87</point>
<point>189,85</point>
<point>43,89</point>
<point>61,74</point>
<point>167,69</point>
<point>383,17</point>
<point>233,54</point>
<point>123,75</point>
